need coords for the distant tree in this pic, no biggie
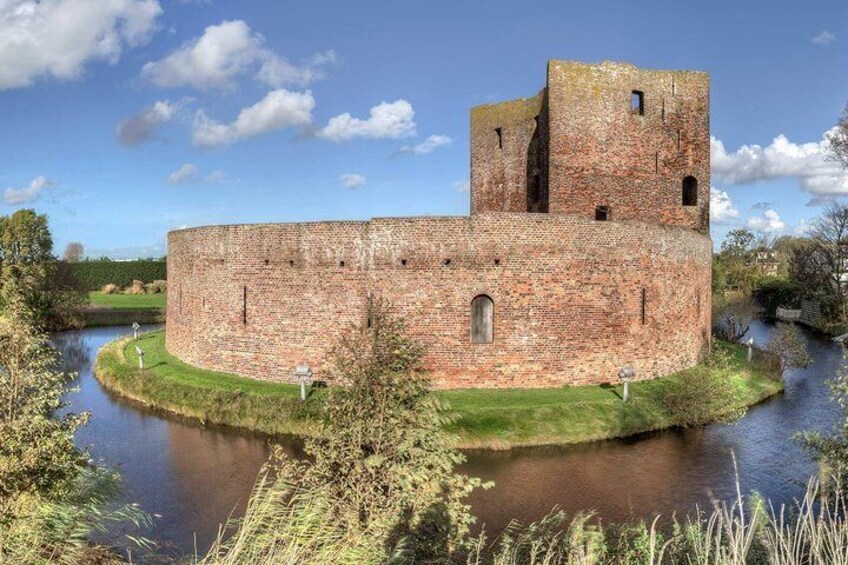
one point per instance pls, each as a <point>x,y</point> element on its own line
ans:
<point>31,277</point>
<point>74,252</point>
<point>738,243</point>
<point>823,265</point>
<point>736,260</point>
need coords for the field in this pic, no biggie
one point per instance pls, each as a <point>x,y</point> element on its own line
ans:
<point>128,301</point>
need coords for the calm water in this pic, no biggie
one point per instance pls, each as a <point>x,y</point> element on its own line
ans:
<point>194,478</point>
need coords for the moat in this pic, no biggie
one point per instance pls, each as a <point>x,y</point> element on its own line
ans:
<point>194,477</point>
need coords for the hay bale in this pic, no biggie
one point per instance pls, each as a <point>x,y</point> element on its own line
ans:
<point>136,288</point>
<point>110,289</point>
<point>163,285</point>
<point>151,288</point>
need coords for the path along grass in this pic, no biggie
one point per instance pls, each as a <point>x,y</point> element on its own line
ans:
<point>485,418</point>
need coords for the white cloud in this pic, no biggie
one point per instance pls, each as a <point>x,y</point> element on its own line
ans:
<point>215,177</point>
<point>803,227</point>
<point>279,109</point>
<point>28,193</point>
<point>140,127</point>
<point>426,146</point>
<point>721,207</point>
<point>807,162</point>
<point>824,38</point>
<point>769,222</point>
<point>225,51</point>
<point>56,38</point>
<point>186,173</point>
<point>351,180</point>
<point>392,120</point>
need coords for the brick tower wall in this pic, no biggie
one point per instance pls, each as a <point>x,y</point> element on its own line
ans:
<point>257,300</point>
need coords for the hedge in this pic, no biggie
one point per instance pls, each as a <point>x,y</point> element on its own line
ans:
<point>94,275</point>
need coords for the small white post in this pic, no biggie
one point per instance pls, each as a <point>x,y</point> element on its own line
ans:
<point>750,344</point>
<point>135,328</point>
<point>303,374</point>
<point>140,352</point>
<point>626,374</point>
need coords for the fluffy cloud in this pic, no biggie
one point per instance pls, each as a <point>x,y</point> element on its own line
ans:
<point>769,222</point>
<point>392,120</point>
<point>824,38</point>
<point>56,38</point>
<point>141,127</point>
<point>721,207</point>
<point>186,173</point>
<point>279,109</point>
<point>426,146</point>
<point>807,162</point>
<point>228,50</point>
<point>352,180</point>
<point>26,194</point>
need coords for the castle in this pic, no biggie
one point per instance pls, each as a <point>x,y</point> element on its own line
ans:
<point>587,250</point>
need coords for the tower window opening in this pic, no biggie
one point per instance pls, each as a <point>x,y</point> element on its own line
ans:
<point>535,190</point>
<point>482,319</point>
<point>499,131</point>
<point>644,306</point>
<point>637,102</point>
<point>690,191</point>
<point>603,213</point>
<point>244,305</point>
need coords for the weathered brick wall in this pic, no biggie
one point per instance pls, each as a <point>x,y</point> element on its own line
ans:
<point>567,295</point>
<point>595,151</point>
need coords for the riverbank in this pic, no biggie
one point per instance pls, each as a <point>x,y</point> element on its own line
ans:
<point>484,418</point>
<point>118,309</point>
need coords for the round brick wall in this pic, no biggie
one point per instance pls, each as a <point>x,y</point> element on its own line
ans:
<point>574,299</point>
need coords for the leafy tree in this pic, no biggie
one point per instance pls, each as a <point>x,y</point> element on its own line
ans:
<point>788,346</point>
<point>382,463</point>
<point>831,451</point>
<point>739,243</point>
<point>74,252</point>
<point>30,275</point>
<point>736,260</point>
<point>820,266</point>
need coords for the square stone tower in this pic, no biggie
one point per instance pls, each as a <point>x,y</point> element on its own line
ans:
<point>608,141</point>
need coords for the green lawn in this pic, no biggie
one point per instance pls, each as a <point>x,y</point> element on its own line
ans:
<point>128,301</point>
<point>484,418</point>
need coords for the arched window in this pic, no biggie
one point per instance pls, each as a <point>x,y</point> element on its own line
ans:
<point>482,319</point>
<point>603,213</point>
<point>690,191</point>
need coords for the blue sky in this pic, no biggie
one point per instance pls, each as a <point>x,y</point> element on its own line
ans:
<point>127,118</point>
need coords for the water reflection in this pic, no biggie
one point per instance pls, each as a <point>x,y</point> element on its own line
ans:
<point>195,477</point>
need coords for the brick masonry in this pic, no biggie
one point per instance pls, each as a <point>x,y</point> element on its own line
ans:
<point>568,291</point>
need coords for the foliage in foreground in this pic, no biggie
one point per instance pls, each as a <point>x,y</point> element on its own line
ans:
<point>51,500</point>
<point>381,480</point>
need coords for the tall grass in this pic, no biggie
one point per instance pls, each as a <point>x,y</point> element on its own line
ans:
<point>286,525</point>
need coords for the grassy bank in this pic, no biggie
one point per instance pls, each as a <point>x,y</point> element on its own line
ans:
<point>124,309</point>
<point>484,418</point>
<point>118,301</point>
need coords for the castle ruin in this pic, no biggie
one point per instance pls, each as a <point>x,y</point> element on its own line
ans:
<point>587,250</point>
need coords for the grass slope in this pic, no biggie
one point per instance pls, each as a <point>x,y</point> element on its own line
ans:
<point>487,418</point>
<point>128,301</point>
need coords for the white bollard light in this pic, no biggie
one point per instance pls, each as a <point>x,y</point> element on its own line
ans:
<point>303,374</point>
<point>626,374</point>
<point>140,352</point>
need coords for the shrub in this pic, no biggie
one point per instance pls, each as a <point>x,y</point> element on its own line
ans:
<point>703,395</point>
<point>733,316</point>
<point>94,275</point>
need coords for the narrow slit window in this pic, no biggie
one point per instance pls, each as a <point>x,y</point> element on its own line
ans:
<point>499,131</point>
<point>644,307</point>
<point>656,162</point>
<point>482,319</point>
<point>603,213</point>
<point>690,191</point>
<point>244,305</point>
<point>637,102</point>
